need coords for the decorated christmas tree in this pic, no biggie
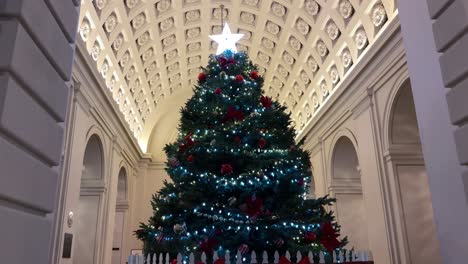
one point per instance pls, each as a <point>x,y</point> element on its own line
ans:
<point>239,179</point>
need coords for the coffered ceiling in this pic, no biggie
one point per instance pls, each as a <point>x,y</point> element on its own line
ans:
<point>149,52</point>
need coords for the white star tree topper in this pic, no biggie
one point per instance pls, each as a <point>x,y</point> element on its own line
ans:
<point>226,40</point>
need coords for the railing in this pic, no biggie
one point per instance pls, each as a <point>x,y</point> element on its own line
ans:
<point>360,256</point>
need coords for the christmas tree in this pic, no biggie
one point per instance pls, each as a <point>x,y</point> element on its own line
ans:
<point>239,179</point>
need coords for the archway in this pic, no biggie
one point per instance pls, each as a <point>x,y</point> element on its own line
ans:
<point>346,187</point>
<point>406,164</point>
<point>88,216</point>
<point>118,255</point>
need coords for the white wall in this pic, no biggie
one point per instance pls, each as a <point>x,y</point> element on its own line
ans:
<point>37,44</point>
<point>91,113</point>
<point>360,110</point>
<point>430,73</point>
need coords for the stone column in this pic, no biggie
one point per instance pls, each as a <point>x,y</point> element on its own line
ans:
<point>37,45</point>
<point>429,28</point>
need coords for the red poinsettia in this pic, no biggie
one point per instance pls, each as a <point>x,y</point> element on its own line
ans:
<point>190,158</point>
<point>233,115</point>
<point>219,261</point>
<point>329,237</point>
<point>226,168</point>
<point>261,143</point>
<point>266,101</point>
<point>310,237</point>
<point>239,78</point>
<point>188,143</point>
<point>222,61</point>
<point>305,260</point>
<point>217,91</point>
<point>284,260</point>
<point>237,140</point>
<point>231,60</point>
<point>254,75</point>
<point>254,206</point>
<point>207,245</point>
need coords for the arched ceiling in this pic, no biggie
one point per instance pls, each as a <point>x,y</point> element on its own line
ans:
<point>150,51</point>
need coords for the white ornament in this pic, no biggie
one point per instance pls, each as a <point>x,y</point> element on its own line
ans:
<point>322,48</point>
<point>166,24</point>
<point>334,75</point>
<point>312,64</point>
<point>85,29</point>
<point>192,15</point>
<point>346,9</point>
<point>169,40</point>
<point>288,58</point>
<point>110,23</point>
<point>163,5</point>
<point>138,21</point>
<point>143,39</point>
<point>147,54</point>
<point>332,30</point>
<point>193,33</point>
<point>118,42</point>
<point>311,7</point>
<point>247,18</point>
<point>272,28</point>
<point>125,59</point>
<point>278,9</point>
<point>361,39</point>
<point>295,44</point>
<point>263,57</point>
<point>346,58</point>
<point>302,27</point>
<point>268,43</point>
<point>227,40</point>
<point>379,16</point>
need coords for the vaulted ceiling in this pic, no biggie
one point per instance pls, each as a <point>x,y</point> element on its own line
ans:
<point>150,51</point>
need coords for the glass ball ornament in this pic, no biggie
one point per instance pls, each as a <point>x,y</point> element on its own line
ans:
<point>179,228</point>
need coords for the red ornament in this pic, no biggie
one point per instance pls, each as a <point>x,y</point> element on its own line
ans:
<point>219,261</point>
<point>237,139</point>
<point>231,61</point>
<point>266,101</point>
<point>174,261</point>
<point>254,206</point>
<point>310,237</point>
<point>217,91</point>
<point>239,78</point>
<point>233,115</point>
<point>226,168</point>
<point>261,143</point>
<point>190,158</point>
<point>329,237</point>
<point>284,260</point>
<point>202,77</point>
<point>254,75</point>
<point>305,260</point>
<point>200,262</point>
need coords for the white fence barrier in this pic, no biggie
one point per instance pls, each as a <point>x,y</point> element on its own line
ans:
<point>340,257</point>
